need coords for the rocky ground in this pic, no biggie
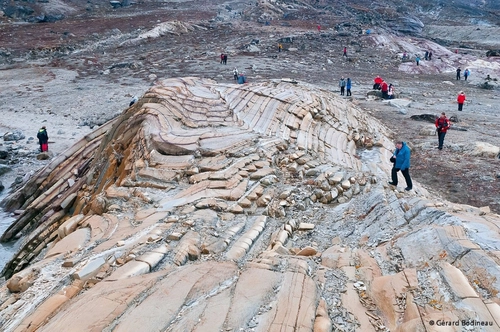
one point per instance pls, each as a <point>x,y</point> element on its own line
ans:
<point>75,75</point>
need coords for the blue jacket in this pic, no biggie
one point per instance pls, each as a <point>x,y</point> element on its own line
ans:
<point>348,84</point>
<point>242,79</point>
<point>402,157</point>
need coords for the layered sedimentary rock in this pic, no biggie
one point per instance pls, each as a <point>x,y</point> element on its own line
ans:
<point>259,207</point>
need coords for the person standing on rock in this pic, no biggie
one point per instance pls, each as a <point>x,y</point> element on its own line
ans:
<point>461,100</point>
<point>225,59</point>
<point>235,74</point>
<point>442,126</point>
<point>43,139</point>
<point>417,60</point>
<point>345,51</point>
<point>221,58</point>
<point>426,56</point>
<point>458,73</point>
<point>466,73</point>
<point>430,55</point>
<point>401,157</point>
<point>348,86</point>
<point>280,47</point>
<point>342,84</point>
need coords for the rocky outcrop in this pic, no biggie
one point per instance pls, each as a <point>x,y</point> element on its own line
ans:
<point>249,207</point>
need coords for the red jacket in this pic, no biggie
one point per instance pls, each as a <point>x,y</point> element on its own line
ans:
<point>442,124</point>
<point>461,98</point>
<point>384,87</point>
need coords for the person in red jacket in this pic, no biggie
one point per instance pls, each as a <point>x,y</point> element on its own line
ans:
<point>377,81</point>
<point>385,89</point>
<point>461,100</point>
<point>442,125</point>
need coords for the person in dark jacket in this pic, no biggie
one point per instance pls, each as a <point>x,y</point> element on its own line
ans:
<point>442,126</point>
<point>458,73</point>
<point>43,139</point>
<point>401,159</point>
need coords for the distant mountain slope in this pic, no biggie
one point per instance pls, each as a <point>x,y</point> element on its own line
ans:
<point>402,16</point>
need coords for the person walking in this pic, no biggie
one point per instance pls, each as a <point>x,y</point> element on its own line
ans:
<point>345,51</point>
<point>235,74</point>
<point>348,86</point>
<point>466,73</point>
<point>442,126</point>
<point>430,55</point>
<point>280,47</point>
<point>417,60</point>
<point>43,139</point>
<point>461,100</point>
<point>225,59</point>
<point>458,73</point>
<point>221,58</point>
<point>401,162</point>
<point>342,86</point>
<point>426,56</point>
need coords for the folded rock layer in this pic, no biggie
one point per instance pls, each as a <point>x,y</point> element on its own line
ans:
<point>261,207</point>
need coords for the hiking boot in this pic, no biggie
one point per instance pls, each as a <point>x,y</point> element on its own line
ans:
<point>408,188</point>
<point>392,183</point>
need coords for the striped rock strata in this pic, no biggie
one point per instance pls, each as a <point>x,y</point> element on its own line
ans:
<point>256,207</point>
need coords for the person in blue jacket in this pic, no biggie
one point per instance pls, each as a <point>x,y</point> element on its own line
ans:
<point>242,78</point>
<point>401,160</point>
<point>348,86</point>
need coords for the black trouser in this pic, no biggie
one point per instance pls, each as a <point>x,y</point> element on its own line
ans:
<point>385,94</point>
<point>349,92</point>
<point>441,139</point>
<point>460,106</point>
<point>458,77</point>
<point>406,174</point>
<point>342,89</point>
<point>465,77</point>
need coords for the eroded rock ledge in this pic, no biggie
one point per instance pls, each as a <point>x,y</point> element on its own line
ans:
<point>260,207</point>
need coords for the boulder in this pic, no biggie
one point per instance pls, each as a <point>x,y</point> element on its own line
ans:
<point>424,117</point>
<point>4,169</point>
<point>483,149</point>
<point>3,154</point>
<point>15,135</point>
